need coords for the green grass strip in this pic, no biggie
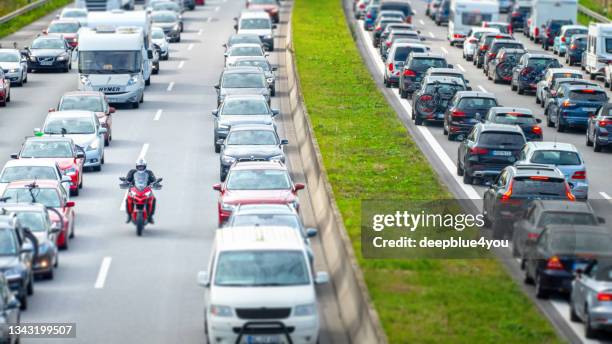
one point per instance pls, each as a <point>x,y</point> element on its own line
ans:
<point>19,22</point>
<point>368,154</point>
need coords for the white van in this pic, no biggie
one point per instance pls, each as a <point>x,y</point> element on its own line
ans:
<point>105,5</point>
<point>113,63</point>
<point>467,14</point>
<point>598,52</point>
<point>257,23</point>
<point>544,10</point>
<point>259,287</point>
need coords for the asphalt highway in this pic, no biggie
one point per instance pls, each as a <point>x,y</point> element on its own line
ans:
<point>120,288</point>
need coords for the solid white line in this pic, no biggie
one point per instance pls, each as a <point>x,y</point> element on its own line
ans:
<point>431,34</point>
<point>421,22</point>
<point>122,205</point>
<point>199,32</point>
<point>444,50</point>
<point>460,67</point>
<point>158,115</point>
<point>143,151</point>
<point>190,46</point>
<point>181,64</point>
<point>170,86</point>
<point>482,88</point>
<point>106,262</point>
<point>605,195</point>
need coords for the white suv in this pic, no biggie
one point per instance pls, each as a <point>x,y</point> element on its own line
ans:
<point>259,288</point>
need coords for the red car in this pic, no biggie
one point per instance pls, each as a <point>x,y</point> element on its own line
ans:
<point>256,182</point>
<point>90,101</point>
<point>62,150</point>
<point>68,28</point>
<point>51,194</point>
<point>5,89</point>
<point>270,6</point>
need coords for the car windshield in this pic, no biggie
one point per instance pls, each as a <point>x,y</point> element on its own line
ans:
<point>556,25</point>
<point>8,244</point>
<point>240,39</point>
<point>496,138</point>
<point>110,62</point>
<point>14,173</point>
<point>252,137</point>
<point>555,157</point>
<point>571,32</point>
<point>245,107</point>
<point>258,179</point>
<point>426,63</point>
<point>514,118</point>
<point>588,95</point>
<point>166,6</point>
<point>581,242</point>
<point>261,268</point>
<point>401,53</point>
<point>265,220</point>
<point>34,221</point>
<point>255,24</point>
<point>564,217</point>
<point>404,35</point>
<point>158,34</point>
<point>474,19</point>
<point>246,51</point>
<point>473,103</point>
<point>541,63</point>
<point>9,57</point>
<point>46,149</point>
<point>63,28</point>
<point>46,43</point>
<point>539,186</point>
<point>255,63</point>
<point>85,103</point>
<point>506,45</point>
<point>48,197</point>
<point>243,80</point>
<point>73,125</point>
<point>164,17</point>
<point>74,14</point>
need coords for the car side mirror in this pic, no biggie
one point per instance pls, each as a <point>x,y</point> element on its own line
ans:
<point>44,31</point>
<point>468,88</point>
<point>36,131</point>
<point>80,155</point>
<point>601,220</point>
<point>322,277</point>
<point>284,142</point>
<point>66,179</point>
<point>299,186</point>
<point>275,112</point>
<point>266,54</point>
<point>70,204</point>
<point>217,187</point>
<point>203,279</point>
<point>311,232</point>
<point>538,120</point>
<point>111,109</point>
<point>14,155</point>
<point>274,69</point>
<point>56,228</point>
<point>224,45</point>
<point>13,303</point>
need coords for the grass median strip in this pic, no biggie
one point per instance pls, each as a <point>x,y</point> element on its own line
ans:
<point>19,22</point>
<point>368,154</point>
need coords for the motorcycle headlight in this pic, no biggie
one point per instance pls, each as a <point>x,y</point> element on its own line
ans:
<point>221,311</point>
<point>70,170</point>
<point>93,145</point>
<point>133,80</point>
<point>305,310</point>
<point>148,193</point>
<point>228,159</point>
<point>132,193</point>
<point>227,207</point>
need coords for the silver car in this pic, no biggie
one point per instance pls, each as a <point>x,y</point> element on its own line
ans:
<point>243,50</point>
<point>242,80</point>
<point>265,66</point>
<point>471,42</point>
<point>169,22</point>
<point>591,297</point>
<point>14,65</point>
<point>159,38</point>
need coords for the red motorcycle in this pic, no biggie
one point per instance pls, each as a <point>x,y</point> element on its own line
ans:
<point>140,199</point>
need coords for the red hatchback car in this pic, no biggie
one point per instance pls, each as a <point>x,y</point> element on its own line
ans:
<point>51,194</point>
<point>68,28</point>
<point>256,182</point>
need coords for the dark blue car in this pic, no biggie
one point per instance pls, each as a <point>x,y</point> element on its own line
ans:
<point>573,105</point>
<point>370,17</point>
<point>599,128</point>
<point>575,49</point>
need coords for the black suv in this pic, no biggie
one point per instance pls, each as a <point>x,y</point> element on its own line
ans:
<point>552,28</point>
<point>484,43</point>
<point>522,117</point>
<point>496,45</point>
<point>431,101</point>
<point>465,111</point>
<point>414,69</point>
<point>500,68</point>
<point>487,150</point>
<point>530,70</point>
<point>515,187</point>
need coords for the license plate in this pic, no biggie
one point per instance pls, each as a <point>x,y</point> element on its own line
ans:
<point>262,339</point>
<point>502,153</point>
<point>589,109</point>
<point>46,63</point>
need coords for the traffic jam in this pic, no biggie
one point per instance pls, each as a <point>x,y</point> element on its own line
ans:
<point>259,285</point>
<point>533,153</point>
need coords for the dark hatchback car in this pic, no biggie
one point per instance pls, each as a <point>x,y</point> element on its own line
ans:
<point>394,5</point>
<point>577,45</point>
<point>380,26</point>
<point>558,83</point>
<point>573,105</point>
<point>465,111</point>
<point>49,53</point>
<point>442,13</point>
<point>599,128</point>
<point>500,68</point>
<point>432,100</point>
<point>483,46</point>
<point>530,70</point>
<point>508,197</point>
<point>561,250</point>
<point>487,150</point>
<point>552,28</point>
<point>519,16</point>
<point>522,117</point>
<point>496,46</point>
<point>414,69</point>
<point>541,213</point>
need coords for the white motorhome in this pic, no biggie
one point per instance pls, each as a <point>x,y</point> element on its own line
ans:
<point>544,10</point>
<point>127,19</point>
<point>467,14</point>
<point>599,49</point>
<point>113,63</point>
<point>105,5</point>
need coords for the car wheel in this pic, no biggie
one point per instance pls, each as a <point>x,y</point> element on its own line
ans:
<point>49,275</point>
<point>403,94</point>
<point>467,179</point>
<point>25,78</point>
<point>512,87</point>
<point>589,331</point>
<point>540,293</point>
<point>107,141</point>
<point>519,89</point>
<point>273,91</point>
<point>444,130</point>
<point>592,76</point>
<point>560,127</point>
<point>386,82</point>
<point>148,81</point>
<point>56,264</point>
<point>23,300</point>
<point>71,229</point>
<point>3,104</point>
<point>572,312</point>
<point>588,139</point>
<point>459,169</point>
<point>538,101</point>
<point>20,83</point>
<point>526,278</point>
<point>596,146</point>
<point>418,120</point>
<point>30,286</point>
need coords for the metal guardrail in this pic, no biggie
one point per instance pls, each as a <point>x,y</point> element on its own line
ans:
<point>22,10</point>
<point>589,13</point>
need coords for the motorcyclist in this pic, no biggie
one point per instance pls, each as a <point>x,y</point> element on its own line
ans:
<point>141,166</point>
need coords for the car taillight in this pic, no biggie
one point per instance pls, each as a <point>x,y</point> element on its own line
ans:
<point>484,47</point>
<point>369,16</point>
<point>548,33</point>
<point>567,103</point>
<point>491,55</point>
<point>573,46</point>
<point>409,72</point>
<point>458,113</point>
<point>554,263</point>
<point>579,175</point>
<point>391,67</point>
<point>478,151</point>
<point>604,123</point>
<point>378,28</point>
<point>409,20</point>
<point>536,32</point>
<point>604,297</point>
<point>458,35</point>
<point>506,196</point>
<point>532,236</point>
<point>362,6</point>
<point>563,39</point>
<point>568,193</point>
<point>526,71</point>
<point>473,40</point>
<point>516,14</point>
<point>536,130</point>
<point>388,44</point>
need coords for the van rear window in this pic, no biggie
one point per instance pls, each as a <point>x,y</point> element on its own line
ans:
<point>474,19</point>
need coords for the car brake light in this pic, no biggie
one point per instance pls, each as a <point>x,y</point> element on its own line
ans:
<point>604,297</point>
<point>409,72</point>
<point>516,14</point>
<point>498,37</point>
<point>554,263</point>
<point>458,35</point>
<point>388,44</point>
<point>579,175</point>
<point>378,28</point>
<point>506,196</point>
<point>526,71</point>
<point>478,151</point>
<point>532,236</point>
<point>536,130</point>
<point>563,39</point>
<point>587,91</point>
<point>538,178</point>
<point>548,32</point>
<point>457,113</point>
<point>425,98</point>
<point>568,193</point>
<point>604,123</point>
<point>391,67</point>
<point>573,46</point>
<point>369,16</point>
<point>409,20</point>
<point>491,55</point>
<point>484,47</point>
<point>567,103</point>
<point>362,6</point>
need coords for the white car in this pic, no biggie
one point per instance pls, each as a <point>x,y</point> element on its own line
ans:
<point>260,275</point>
<point>159,38</point>
<point>79,14</point>
<point>243,50</point>
<point>14,65</point>
<point>32,169</point>
<point>471,42</point>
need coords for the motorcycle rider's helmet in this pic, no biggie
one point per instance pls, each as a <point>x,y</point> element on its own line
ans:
<point>141,164</point>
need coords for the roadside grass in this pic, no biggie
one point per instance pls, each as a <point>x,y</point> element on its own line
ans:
<point>583,19</point>
<point>19,22</point>
<point>8,6</point>
<point>368,154</point>
<point>595,5</point>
